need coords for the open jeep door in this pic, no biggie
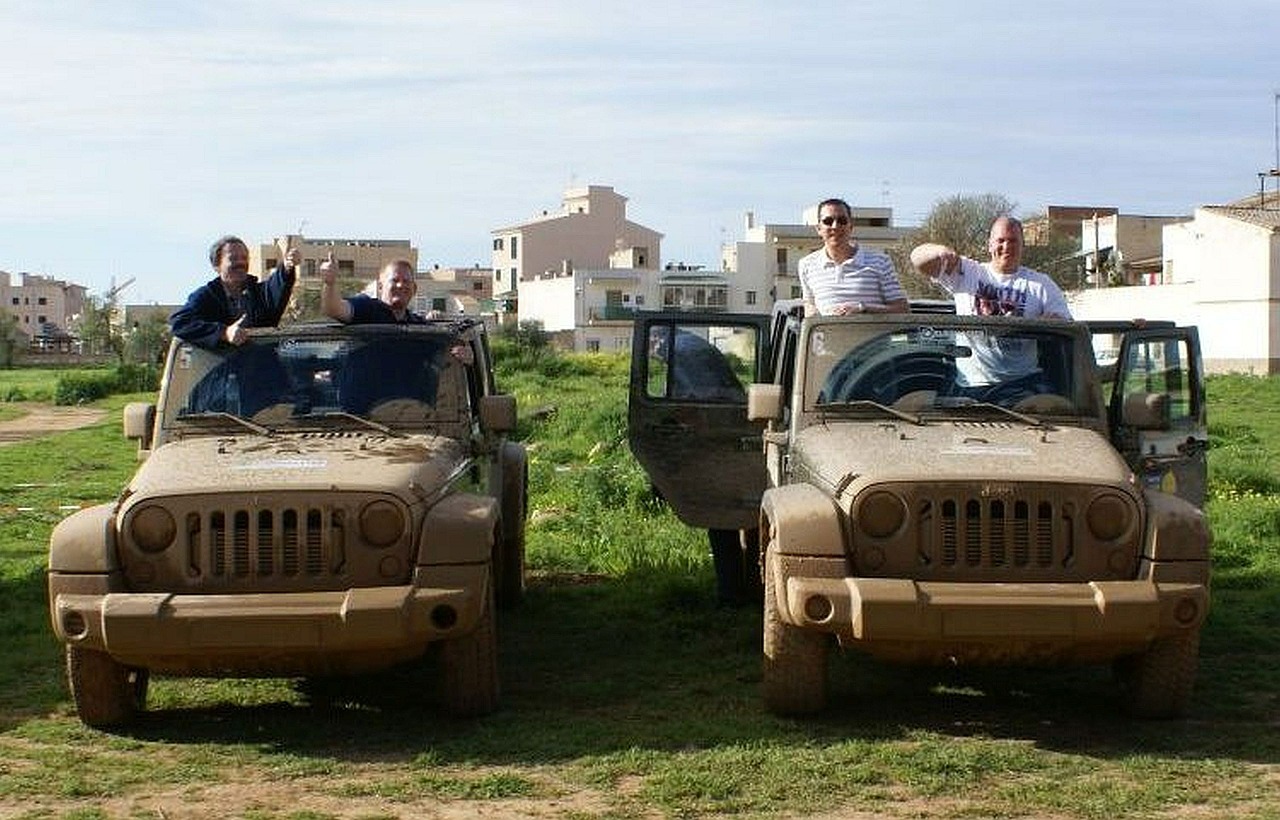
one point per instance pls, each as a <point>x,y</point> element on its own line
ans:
<point>1157,409</point>
<point>687,413</point>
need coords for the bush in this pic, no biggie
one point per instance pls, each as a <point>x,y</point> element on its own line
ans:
<point>86,386</point>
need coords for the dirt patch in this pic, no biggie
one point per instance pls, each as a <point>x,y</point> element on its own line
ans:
<point>42,419</point>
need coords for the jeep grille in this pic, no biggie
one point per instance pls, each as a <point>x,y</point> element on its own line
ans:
<point>1023,532</point>
<point>279,542</point>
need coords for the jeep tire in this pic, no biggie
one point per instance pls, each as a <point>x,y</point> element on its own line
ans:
<point>106,693</point>
<point>794,675</point>
<point>1157,682</point>
<point>469,668</point>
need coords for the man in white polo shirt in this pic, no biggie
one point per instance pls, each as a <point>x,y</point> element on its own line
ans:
<point>842,277</point>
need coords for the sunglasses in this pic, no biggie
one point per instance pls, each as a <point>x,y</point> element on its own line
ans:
<point>835,220</point>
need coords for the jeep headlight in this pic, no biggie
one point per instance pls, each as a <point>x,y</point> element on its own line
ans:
<point>1109,517</point>
<point>881,514</point>
<point>153,528</point>
<point>381,523</point>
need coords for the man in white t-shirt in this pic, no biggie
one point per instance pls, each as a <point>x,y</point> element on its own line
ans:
<point>1001,287</point>
<point>842,277</point>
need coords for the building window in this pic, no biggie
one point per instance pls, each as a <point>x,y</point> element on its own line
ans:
<point>513,278</point>
<point>593,345</point>
<point>438,303</point>
<point>514,246</point>
<point>639,298</point>
<point>42,301</point>
<point>477,285</point>
<point>15,300</point>
<point>497,244</point>
<point>782,260</point>
<point>795,292</point>
<point>749,297</point>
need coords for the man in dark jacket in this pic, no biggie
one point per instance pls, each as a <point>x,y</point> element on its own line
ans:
<point>218,312</point>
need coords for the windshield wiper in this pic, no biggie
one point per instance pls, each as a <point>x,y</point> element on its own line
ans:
<point>222,416</point>
<point>859,404</point>
<point>343,414</point>
<point>966,404</point>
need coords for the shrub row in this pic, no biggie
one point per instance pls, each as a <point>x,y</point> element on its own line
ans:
<point>90,385</point>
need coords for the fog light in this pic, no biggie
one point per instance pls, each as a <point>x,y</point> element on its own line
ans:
<point>1186,611</point>
<point>444,617</point>
<point>818,608</point>
<point>74,625</point>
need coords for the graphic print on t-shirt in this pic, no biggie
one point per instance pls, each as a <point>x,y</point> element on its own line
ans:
<point>991,300</point>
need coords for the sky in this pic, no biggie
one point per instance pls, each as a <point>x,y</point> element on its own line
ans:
<point>134,133</point>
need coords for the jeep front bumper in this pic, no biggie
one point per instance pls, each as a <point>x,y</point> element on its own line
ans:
<point>268,633</point>
<point>927,619</point>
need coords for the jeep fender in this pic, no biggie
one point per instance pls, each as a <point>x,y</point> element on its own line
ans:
<point>798,519</point>
<point>85,542</point>
<point>459,530</point>
<point>1176,530</point>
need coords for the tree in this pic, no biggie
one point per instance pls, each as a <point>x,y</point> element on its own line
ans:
<point>9,338</point>
<point>96,330</point>
<point>148,340</point>
<point>963,222</point>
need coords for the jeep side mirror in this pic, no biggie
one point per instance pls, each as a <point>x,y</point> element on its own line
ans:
<point>139,421</point>
<point>764,402</point>
<point>498,413</point>
<point>1146,411</point>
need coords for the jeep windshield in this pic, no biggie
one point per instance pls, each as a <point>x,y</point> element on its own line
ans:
<point>943,366</point>
<point>317,378</point>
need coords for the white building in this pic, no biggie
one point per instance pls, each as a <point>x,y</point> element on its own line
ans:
<point>762,266</point>
<point>1221,272</point>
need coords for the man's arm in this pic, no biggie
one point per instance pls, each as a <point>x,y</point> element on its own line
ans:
<point>933,260</point>
<point>331,302</point>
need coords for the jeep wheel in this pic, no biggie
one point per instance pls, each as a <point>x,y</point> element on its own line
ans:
<point>1157,683</point>
<point>106,693</point>
<point>469,668</point>
<point>795,660</point>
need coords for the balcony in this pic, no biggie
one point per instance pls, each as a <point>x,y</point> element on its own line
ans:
<point>610,313</point>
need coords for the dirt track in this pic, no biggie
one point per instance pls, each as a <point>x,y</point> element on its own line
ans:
<point>41,419</point>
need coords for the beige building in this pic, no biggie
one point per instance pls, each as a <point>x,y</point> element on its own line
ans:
<point>43,306</point>
<point>455,290</point>
<point>356,258</point>
<point>762,267</point>
<point>589,229</point>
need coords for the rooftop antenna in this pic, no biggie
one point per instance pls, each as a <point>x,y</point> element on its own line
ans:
<point>1275,169</point>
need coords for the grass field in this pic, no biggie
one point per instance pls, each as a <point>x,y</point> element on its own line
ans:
<point>628,693</point>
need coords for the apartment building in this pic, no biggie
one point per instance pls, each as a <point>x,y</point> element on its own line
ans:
<point>590,227</point>
<point>43,306</point>
<point>356,258</point>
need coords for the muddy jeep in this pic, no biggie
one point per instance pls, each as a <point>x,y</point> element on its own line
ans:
<point>902,509</point>
<point>323,500</point>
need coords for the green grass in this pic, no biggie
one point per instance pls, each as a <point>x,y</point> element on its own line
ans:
<point>628,693</point>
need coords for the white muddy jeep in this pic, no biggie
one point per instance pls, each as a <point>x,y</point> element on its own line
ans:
<point>322,500</point>
<point>888,509</point>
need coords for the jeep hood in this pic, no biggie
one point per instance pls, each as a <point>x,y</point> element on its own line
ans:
<point>957,451</point>
<point>320,461</point>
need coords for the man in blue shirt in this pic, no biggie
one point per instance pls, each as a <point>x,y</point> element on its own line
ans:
<point>396,289</point>
<point>218,311</point>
